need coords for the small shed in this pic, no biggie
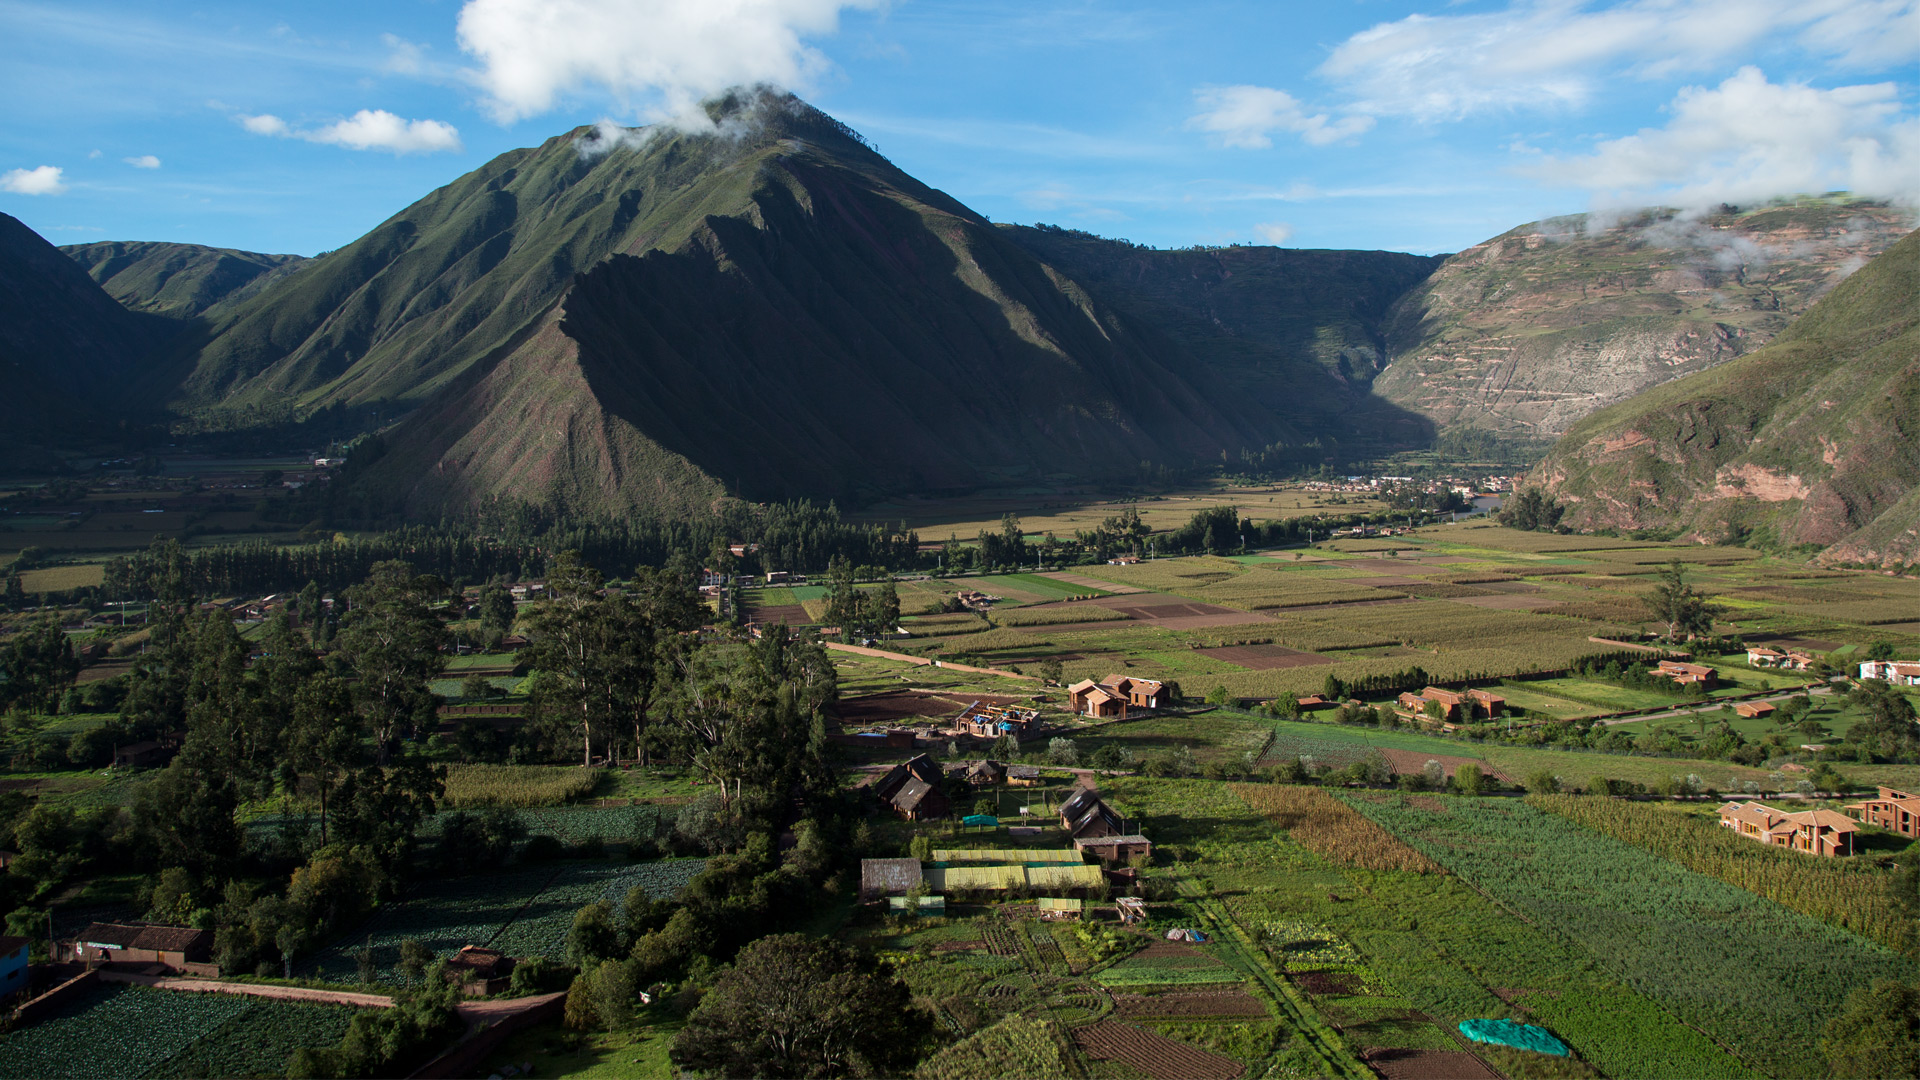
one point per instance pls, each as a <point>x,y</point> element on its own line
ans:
<point>1023,776</point>
<point>887,877</point>
<point>987,774</point>
<point>1115,849</point>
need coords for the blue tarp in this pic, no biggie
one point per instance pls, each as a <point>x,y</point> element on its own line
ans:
<point>1509,1033</point>
<point>980,819</point>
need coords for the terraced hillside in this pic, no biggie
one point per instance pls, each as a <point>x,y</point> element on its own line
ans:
<point>1522,336</point>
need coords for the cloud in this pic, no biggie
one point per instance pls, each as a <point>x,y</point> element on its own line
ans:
<point>368,129</point>
<point>264,124</point>
<point>1748,140</point>
<point>144,161</point>
<point>657,56</point>
<point>1553,53</point>
<point>45,180</point>
<point>406,58</point>
<point>1248,115</point>
<point>1273,232</point>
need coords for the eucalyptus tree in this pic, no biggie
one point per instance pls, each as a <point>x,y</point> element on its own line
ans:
<point>391,641</point>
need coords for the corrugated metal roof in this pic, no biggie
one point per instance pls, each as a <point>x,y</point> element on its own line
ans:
<point>1006,855</point>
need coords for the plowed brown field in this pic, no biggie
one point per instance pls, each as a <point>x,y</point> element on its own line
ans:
<point>1153,1054</point>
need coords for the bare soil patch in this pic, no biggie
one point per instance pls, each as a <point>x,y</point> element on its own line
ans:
<point>1399,1064</point>
<point>893,705</point>
<point>1328,983</point>
<point>1152,1053</point>
<point>1264,657</point>
<point>1180,1006</point>
<point>1412,761</point>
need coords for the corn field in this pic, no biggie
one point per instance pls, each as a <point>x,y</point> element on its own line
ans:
<point>1333,830</point>
<point>1843,892</point>
<point>517,785</point>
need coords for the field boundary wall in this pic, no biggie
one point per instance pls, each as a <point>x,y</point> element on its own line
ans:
<point>31,1010</point>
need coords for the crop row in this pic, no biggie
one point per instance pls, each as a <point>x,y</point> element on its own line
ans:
<point>1333,830</point>
<point>117,1031</point>
<point>541,929</point>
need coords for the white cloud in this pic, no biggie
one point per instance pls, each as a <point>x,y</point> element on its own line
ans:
<point>1273,232</point>
<point>144,161</point>
<point>1553,53</point>
<point>378,129</point>
<point>669,54</point>
<point>93,154</point>
<point>45,180</point>
<point>1249,115</point>
<point>368,129</point>
<point>264,124</point>
<point>406,58</point>
<point>1749,139</point>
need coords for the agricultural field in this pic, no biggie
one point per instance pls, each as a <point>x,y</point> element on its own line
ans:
<point>1751,973</point>
<point>524,911</point>
<point>1064,513</point>
<point>120,1031</point>
<point>518,785</point>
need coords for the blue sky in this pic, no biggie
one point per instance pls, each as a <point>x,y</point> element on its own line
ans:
<point>295,127</point>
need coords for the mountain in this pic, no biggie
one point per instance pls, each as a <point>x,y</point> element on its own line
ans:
<point>1814,439</point>
<point>1521,336</point>
<point>1298,332</point>
<point>628,320</point>
<point>66,347</point>
<point>179,280</point>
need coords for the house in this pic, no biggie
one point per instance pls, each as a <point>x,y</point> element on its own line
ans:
<point>887,877</point>
<point>986,774</point>
<point>992,721</point>
<point>1761,656</point>
<point>1897,672</point>
<point>1086,816</point>
<point>778,577</point>
<point>1454,704</point>
<point>1315,701</point>
<point>1114,695</point>
<point>1754,709</point>
<point>1821,832</point>
<point>1115,849</point>
<point>13,964</point>
<point>1123,560</point>
<point>141,755</point>
<point>1894,811</point>
<point>1684,674</point>
<point>1023,776</point>
<point>479,971</point>
<point>915,789</point>
<point>174,947</point>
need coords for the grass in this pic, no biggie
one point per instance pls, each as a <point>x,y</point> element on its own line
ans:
<point>554,1051</point>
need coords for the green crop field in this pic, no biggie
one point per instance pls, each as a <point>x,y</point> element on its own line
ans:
<point>1751,973</point>
<point>117,1031</point>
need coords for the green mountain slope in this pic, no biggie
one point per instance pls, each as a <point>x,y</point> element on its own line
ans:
<point>633,322</point>
<point>66,347</point>
<point>1525,334</point>
<point>1815,437</point>
<point>179,280</point>
<point>1298,332</point>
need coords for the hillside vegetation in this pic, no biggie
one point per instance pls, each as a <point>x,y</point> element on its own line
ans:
<point>1814,439</point>
<point>1522,336</point>
<point>179,280</point>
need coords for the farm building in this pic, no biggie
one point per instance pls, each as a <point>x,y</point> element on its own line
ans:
<point>992,721</point>
<point>1895,811</point>
<point>1684,674</point>
<point>1114,695</point>
<point>175,947</point>
<point>1023,776</point>
<point>1315,701</point>
<point>1455,704</point>
<point>479,971</point>
<point>1123,560</point>
<point>1754,709</point>
<point>1898,672</point>
<point>921,774</point>
<point>1059,877</point>
<point>141,755</point>
<point>13,964</point>
<point>1822,832</point>
<point>986,774</point>
<point>1087,816</point>
<point>1115,849</point>
<point>887,877</point>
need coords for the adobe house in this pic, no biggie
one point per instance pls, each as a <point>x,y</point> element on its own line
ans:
<point>915,789</point>
<point>1754,709</point>
<point>1086,816</point>
<point>177,947</point>
<point>1688,674</point>
<point>1115,850</point>
<point>986,774</point>
<point>1114,695</point>
<point>1894,811</point>
<point>1821,832</point>
<point>992,721</point>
